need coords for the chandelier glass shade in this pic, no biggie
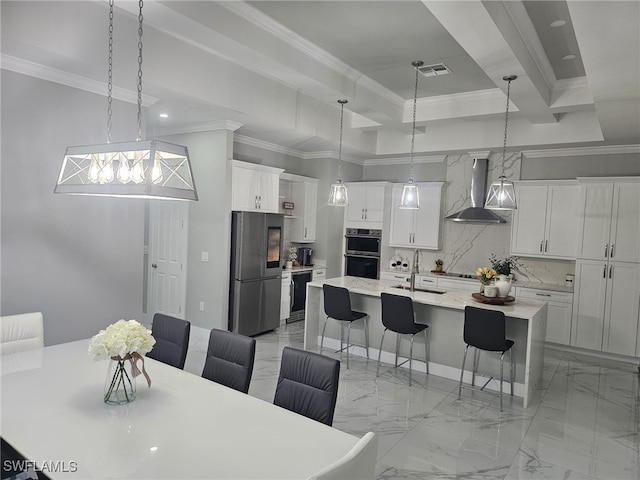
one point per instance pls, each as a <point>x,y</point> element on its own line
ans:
<point>338,196</point>
<point>410,198</point>
<point>136,169</point>
<point>502,193</point>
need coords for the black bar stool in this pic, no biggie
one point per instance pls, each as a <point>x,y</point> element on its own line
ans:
<point>486,330</point>
<point>398,316</point>
<point>337,305</point>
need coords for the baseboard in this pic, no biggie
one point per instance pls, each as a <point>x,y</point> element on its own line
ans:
<point>592,353</point>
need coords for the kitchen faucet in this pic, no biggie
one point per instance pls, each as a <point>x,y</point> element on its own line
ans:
<point>414,270</point>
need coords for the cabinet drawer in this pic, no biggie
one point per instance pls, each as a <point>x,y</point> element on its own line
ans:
<point>319,274</point>
<point>395,277</point>
<point>545,295</point>
<point>426,282</point>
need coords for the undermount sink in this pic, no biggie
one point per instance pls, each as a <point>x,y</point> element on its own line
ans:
<point>426,290</point>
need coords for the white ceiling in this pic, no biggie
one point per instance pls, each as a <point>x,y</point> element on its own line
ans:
<point>278,67</point>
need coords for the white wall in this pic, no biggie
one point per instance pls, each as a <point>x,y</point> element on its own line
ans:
<point>209,227</point>
<point>77,259</point>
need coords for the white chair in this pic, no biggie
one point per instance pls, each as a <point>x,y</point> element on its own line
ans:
<point>358,464</point>
<point>19,333</point>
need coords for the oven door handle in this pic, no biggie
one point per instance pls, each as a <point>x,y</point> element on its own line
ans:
<point>353,255</point>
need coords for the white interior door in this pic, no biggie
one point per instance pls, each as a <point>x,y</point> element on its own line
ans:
<point>168,228</point>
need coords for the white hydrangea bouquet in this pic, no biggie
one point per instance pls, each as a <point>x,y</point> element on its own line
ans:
<point>123,341</point>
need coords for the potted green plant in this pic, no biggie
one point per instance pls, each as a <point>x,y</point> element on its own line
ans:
<point>438,265</point>
<point>503,268</point>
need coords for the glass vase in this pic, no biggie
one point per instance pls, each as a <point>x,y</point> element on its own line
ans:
<point>120,383</point>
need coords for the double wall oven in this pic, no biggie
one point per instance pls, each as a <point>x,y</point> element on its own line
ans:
<point>362,252</point>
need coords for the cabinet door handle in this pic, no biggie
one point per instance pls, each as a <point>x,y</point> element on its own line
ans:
<point>543,294</point>
<point>611,250</point>
<point>541,245</point>
<point>604,271</point>
<point>305,232</point>
<point>366,213</point>
<point>362,214</point>
<point>610,270</point>
<point>260,201</point>
<point>546,246</point>
<point>606,250</point>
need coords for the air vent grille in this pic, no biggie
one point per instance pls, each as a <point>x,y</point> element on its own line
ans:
<point>434,70</point>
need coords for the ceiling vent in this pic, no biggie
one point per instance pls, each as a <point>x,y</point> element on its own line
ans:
<point>434,70</point>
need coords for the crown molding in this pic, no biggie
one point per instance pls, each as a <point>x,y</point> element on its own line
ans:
<point>334,155</point>
<point>581,151</point>
<point>405,160</point>
<point>37,70</point>
<point>199,127</point>
<point>266,23</point>
<point>272,147</point>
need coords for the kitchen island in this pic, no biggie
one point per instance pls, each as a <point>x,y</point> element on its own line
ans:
<point>444,313</point>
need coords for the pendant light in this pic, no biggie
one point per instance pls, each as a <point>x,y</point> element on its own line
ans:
<point>502,193</point>
<point>410,198</point>
<point>140,169</point>
<point>338,195</point>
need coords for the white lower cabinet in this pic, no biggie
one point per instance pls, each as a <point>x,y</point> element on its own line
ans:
<point>560,307</point>
<point>285,297</point>
<point>607,303</point>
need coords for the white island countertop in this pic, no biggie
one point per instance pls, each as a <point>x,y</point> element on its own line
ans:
<point>456,299</point>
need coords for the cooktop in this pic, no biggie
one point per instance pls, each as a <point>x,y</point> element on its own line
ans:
<point>458,275</point>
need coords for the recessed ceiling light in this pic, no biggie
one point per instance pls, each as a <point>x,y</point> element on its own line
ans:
<point>164,115</point>
<point>557,23</point>
<point>570,56</point>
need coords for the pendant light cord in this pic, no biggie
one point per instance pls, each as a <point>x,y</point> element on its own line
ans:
<point>413,130</point>
<point>341,102</point>
<point>506,124</point>
<point>140,71</point>
<point>110,74</point>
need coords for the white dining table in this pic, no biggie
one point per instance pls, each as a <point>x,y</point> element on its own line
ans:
<point>183,427</point>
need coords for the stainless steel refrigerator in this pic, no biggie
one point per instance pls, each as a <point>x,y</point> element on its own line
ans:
<point>256,271</point>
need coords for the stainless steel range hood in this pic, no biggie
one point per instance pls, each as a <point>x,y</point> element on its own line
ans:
<point>476,213</point>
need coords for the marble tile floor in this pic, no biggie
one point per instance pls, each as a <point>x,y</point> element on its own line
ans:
<point>586,425</point>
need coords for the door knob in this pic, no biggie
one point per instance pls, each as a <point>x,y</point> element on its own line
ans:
<point>154,265</point>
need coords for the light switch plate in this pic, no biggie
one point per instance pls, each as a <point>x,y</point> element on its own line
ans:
<point>204,256</point>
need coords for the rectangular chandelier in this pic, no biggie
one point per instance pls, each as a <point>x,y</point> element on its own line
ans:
<point>140,169</point>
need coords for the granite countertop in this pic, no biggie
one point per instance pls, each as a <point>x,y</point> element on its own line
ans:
<point>455,299</point>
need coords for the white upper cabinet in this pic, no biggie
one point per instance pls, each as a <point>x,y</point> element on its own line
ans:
<point>417,228</point>
<point>366,204</point>
<point>611,221</point>
<point>305,199</point>
<point>546,221</point>
<point>254,187</point>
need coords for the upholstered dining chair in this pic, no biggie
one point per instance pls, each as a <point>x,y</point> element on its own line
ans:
<point>398,316</point>
<point>337,305</point>
<point>21,332</point>
<point>308,384</point>
<point>230,358</point>
<point>486,330</point>
<point>172,340</point>
<point>357,464</point>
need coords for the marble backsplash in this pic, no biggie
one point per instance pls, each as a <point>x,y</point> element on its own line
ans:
<point>467,246</point>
